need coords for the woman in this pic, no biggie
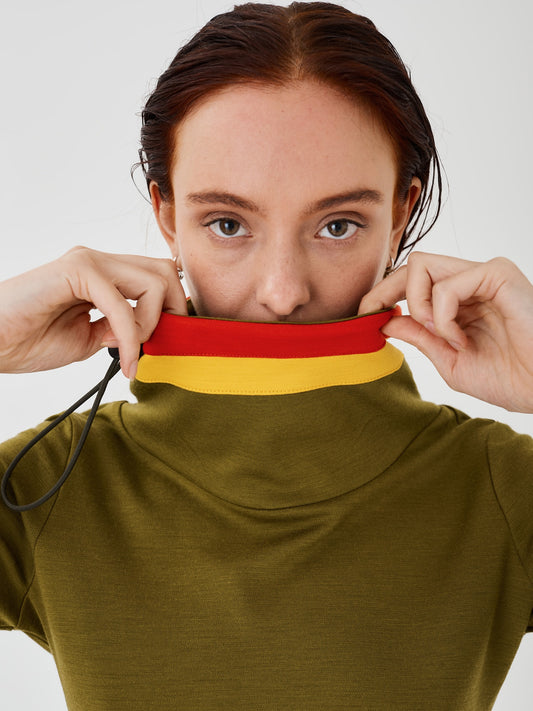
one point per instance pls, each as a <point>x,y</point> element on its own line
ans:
<point>236,539</point>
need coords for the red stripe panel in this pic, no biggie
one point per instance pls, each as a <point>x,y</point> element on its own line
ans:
<point>198,336</point>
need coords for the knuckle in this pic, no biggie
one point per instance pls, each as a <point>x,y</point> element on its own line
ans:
<point>161,283</point>
<point>170,270</point>
<point>145,330</point>
<point>415,259</point>
<point>169,264</point>
<point>439,289</point>
<point>418,312</point>
<point>126,311</point>
<point>443,299</point>
<point>78,255</point>
<point>77,250</point>
<point>503,264</point>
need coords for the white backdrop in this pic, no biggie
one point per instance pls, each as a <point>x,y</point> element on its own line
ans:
<point>74,75</point>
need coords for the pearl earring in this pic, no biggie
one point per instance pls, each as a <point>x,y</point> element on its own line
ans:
<point>178,268</point>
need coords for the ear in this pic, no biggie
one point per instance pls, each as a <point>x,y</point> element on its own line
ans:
<point>164,214</point>
<point>402,213</point>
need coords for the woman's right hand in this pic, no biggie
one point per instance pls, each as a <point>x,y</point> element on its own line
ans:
<point>45,313</point>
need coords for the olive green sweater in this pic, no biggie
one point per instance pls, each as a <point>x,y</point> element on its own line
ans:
<point>279,522</point>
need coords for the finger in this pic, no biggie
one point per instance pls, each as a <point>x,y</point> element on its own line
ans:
<point>154,290</point>
<point>110,301</point>
<point>150,305</point>
<point>425,271</point>
<point>130,273</point>
<point>162,291</point>
<point>165,286</point>
<point>407,329</point>
<point>108,280</point>
<point>419,288</point>
<point>101,334</point>
<point>413,281</point>
<point>479,284</point>
<point>426,275</point>
<point>421,291</point>
<point>447,297</point>
<point>80,337</point>
<point>386,293</point>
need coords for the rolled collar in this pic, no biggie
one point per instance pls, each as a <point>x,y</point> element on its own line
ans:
<point>248,358</point>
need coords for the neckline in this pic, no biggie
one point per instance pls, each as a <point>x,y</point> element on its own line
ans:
<point>205,336</point>
<point>277,428</point>
<point>219,356</point>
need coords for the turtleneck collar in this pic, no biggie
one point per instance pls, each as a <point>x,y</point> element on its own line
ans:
<point>248,358</point>
<point>273,415</point>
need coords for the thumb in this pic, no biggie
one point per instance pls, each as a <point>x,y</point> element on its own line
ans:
<point>102,333</point>
<point>438,350</point>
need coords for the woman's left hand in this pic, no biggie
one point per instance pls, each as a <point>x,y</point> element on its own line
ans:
<point>473,320</point>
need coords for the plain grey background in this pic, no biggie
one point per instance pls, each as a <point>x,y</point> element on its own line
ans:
<point>74,76</point>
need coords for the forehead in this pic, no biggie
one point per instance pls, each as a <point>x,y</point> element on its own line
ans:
<point>304,131</point>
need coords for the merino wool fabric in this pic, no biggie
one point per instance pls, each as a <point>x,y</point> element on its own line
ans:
<point>278,522</point>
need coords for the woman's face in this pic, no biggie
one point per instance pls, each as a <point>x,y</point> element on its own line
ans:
<point>283,204</point>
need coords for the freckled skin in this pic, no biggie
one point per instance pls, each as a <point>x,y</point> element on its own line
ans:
<point>282,149</point>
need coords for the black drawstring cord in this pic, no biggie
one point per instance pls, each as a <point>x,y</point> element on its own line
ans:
<point>99,390</point>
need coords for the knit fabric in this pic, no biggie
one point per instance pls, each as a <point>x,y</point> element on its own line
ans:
<point>296,530</point>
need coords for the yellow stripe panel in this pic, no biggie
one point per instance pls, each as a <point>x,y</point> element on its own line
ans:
<point>268,376</point>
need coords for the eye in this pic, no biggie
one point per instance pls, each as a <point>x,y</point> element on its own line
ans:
<point>340,229</point>
<point>227,227</point>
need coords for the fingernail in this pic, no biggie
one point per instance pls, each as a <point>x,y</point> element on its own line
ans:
<point>457,346</point>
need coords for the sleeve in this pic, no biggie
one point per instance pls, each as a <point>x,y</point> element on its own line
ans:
<point>510,458</point>
<point>35,473</point>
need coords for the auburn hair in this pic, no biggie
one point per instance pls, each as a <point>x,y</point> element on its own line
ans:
<point>325,42</point>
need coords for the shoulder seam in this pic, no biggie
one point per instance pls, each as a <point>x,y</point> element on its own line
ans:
<point>40,531</point>
<point>504,513</point>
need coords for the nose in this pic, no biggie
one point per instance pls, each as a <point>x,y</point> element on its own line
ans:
<point>283,285</point>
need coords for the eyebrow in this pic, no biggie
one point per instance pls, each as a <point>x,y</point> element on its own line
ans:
<point>363,195</point>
